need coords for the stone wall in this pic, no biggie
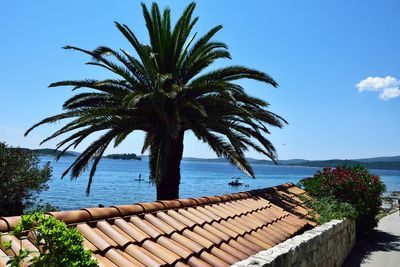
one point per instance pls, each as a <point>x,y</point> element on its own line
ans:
<point>325,245</point>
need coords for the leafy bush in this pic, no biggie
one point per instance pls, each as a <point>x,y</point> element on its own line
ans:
<point>328,208</point>
<point>353,185</point>
<point>58,245</point>
<point>21,179</point>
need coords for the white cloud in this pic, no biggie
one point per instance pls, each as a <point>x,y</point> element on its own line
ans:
<point>388,93</point>
<point>388,87</point>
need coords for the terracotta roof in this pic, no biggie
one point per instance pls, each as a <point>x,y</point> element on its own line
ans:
<point>206,231</point>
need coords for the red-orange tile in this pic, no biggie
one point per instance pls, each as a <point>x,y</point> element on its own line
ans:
<point>197,238</point>
<point>182,219</point>
<point>102,213</point>
<point>129,209</point>
<point>207,235</point>
<point>225,198</point>
<point>171,204</point>
<point>103,261</point>
<point>181,264</point>
<point>206,231</point>
<point>202,216</point>
<point>216,232</point>
<point>146,227</point>
<point>161,252</point>
<point>187,202</point>
<point>187,242</point>
<point>143,256</point>
<point>212,260</point>
<point>214,199</point>
<point>175,247</point>
<point>209,213</point>
<point>233,251</point>
<point>196,262</point>
<point>71,217</point>
<point>249,244</point>
<point>93,237</point>
<point>107,229</point>
<point>114,256</point>
<point>11,221</point>
<point>171,221</point>
<point>166,228</point>
<point>3,225</point>
<point>15,244</point>
<point>191,216</point>
<point>226,257</point>
<point>152,206</point>
<point>130,229</point>
<point>202,200</point>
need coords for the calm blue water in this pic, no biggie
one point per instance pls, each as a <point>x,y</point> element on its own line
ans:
<point>114,182</point>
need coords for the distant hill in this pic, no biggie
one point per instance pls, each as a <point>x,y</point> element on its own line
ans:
<point>387,165</point>
<point>250,160</point>
<point>379,159</point>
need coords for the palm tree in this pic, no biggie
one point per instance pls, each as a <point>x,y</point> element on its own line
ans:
<point>164,90</point>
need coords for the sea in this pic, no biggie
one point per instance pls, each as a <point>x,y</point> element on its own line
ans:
<point>116,181</point>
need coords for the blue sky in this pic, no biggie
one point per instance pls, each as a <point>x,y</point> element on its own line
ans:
<point>318,51</point>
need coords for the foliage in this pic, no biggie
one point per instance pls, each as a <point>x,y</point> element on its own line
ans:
<point>21,180</point>
<point>353,185</point>
<point>58,245</point>
<point>164,89</point>
<point>328,208</point>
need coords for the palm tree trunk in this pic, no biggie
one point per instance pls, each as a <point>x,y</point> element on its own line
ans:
<point>168,185</point>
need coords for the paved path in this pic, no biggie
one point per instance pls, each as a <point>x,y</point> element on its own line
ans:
<point>385,251</point>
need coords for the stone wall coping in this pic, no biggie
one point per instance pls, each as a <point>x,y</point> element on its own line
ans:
<point>292,248</point>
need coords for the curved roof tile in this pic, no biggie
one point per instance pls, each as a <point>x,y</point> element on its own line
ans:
<point>203,231</point>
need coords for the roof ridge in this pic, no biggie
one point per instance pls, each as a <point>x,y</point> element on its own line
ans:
<point>94,214</point>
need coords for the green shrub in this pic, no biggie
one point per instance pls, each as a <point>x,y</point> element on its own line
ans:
<point>58,245</point>
<point>353,185</point>
<point>21,180</point>
<point>328,208</point>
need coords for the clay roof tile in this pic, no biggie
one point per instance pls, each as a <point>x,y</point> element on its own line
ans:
<point>187,202</point>
<point>102,213</point>
<point>3,225</point>
<point>214,199</point>
<point>72,217</point>
<point>225,198</point>
<point>9,223</point>
<point>204,231</point>
<point>171,204</point>
<point>202,200</point>
<point>126,210</point>
<point>152,206</point>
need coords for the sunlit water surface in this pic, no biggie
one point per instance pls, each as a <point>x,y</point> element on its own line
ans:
<point>115,184</point>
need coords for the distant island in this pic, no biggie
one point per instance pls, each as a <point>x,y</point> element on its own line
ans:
<point>48,152</point>
<point>126,156</point>
<point>387,163</point>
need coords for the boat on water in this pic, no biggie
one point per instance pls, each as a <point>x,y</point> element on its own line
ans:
<point>236,182</point>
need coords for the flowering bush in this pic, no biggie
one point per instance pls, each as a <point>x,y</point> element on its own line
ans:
<point>353,185</point>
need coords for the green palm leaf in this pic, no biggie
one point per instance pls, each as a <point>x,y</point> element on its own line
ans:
<point>164,89</point>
